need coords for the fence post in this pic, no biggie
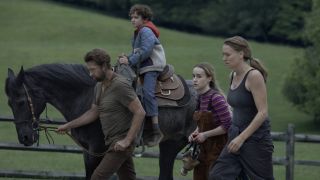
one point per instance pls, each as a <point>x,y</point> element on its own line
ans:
<point>290,140</point>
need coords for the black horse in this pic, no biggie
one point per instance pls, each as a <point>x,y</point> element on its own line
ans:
<point>69,88</point>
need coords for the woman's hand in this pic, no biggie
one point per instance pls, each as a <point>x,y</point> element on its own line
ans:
<point>235,144</point>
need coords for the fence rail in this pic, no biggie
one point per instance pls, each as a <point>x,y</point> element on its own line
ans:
<point>289,137</point>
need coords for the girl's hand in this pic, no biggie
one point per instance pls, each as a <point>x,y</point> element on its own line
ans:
<point>200,138</point>
<point>192,136</point>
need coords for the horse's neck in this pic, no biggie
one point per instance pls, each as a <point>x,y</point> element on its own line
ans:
<point>70,103</point>
<point>72,107</point>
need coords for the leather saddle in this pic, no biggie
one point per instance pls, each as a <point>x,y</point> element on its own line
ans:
<point>169,88</point>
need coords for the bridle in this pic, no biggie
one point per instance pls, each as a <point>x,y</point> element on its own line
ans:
<point>36,126</point>
<point>35,121</point>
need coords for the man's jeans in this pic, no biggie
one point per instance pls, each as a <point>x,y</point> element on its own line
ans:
<point>120,162</point>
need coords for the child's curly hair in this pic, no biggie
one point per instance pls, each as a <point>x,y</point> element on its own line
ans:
<point>143,10</point>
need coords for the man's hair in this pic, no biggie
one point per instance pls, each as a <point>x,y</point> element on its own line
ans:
<point>99,56</point>
<point>143,10</point>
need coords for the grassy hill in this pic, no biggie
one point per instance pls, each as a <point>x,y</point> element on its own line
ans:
<point>35,32</point>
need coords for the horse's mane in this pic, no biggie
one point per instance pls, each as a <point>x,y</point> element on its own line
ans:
<point>62,74</point>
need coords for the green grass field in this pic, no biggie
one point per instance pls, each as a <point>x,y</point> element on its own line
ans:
<point>35,32</point>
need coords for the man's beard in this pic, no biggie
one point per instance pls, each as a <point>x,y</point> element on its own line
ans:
<point>101,78</point>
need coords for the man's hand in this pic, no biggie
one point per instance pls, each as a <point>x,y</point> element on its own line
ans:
<point>121,145</point>
<point>62,129</point>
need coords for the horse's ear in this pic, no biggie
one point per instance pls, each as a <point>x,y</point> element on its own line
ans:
<point>10,73</point>
<point>20,76</point>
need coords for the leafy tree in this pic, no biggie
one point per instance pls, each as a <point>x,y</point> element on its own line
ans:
<point>302,85</point>
<point>290,20</point>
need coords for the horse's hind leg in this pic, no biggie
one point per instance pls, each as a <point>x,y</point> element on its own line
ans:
<point>168,152</point>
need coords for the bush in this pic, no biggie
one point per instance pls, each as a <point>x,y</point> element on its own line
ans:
<point>302,85</point>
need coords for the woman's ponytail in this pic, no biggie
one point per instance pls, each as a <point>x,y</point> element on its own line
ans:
<point>256,64</point>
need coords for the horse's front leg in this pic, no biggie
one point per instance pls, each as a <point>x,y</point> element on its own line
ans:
<point>168,152</point>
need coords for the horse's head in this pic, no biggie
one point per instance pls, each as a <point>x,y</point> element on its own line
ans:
<point>26,106</point>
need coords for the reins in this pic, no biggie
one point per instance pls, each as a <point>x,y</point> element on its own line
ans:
<point>47,129</point>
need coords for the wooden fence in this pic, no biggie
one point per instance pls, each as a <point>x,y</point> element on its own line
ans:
<point>289,137</point>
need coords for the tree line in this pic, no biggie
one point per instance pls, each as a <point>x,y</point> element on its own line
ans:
<point>281,21</point>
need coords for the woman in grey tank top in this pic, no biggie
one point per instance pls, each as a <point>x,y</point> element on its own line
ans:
<point>249,149</point>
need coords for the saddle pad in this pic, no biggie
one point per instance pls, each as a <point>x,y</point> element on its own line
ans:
<point>166,102</point>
